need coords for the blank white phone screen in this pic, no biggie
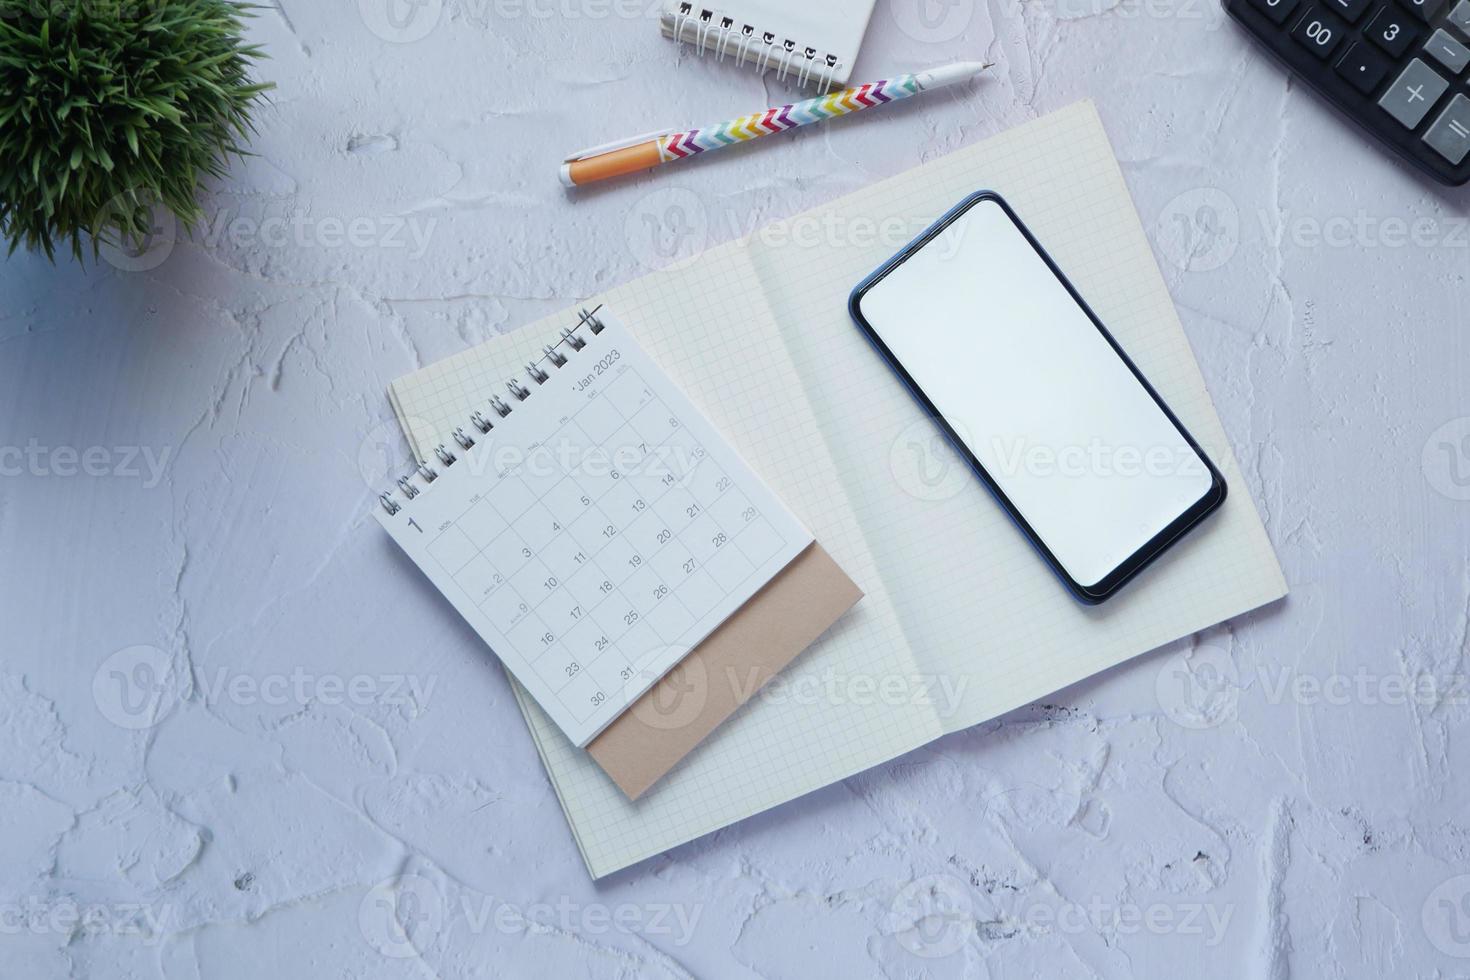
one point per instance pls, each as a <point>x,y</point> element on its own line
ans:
<point>1008,358</point>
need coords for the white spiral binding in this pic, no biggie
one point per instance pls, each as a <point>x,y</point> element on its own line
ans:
<point>709,28</point>
<point>554,355</point>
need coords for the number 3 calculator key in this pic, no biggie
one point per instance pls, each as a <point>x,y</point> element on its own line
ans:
<point>1392,31</point>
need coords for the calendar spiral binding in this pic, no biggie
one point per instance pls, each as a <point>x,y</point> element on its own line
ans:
<point>553,354</point>
<point>710,29</point>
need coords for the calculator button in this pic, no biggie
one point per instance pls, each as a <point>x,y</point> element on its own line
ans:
<point>1448,52</point>
<point>1364,68</point>
<point>1276,10</point>
<point>1460,17</point>
<point>1450,134</point>
<point>1393,32</point>
<point>1425,9</point>
<point>1318,33</point>
<point>1351,10</point>
<point>1413,94</point>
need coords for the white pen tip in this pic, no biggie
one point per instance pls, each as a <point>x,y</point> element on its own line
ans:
<point>960,71</point>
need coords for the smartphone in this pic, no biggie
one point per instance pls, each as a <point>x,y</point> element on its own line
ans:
<point>1037,396</point>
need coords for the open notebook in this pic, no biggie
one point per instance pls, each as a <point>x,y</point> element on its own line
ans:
<point>962,622</point>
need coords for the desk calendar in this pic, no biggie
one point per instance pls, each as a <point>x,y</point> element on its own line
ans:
<point>591,525</point>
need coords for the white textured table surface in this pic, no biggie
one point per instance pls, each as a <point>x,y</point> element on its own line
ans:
<point>190,450</point>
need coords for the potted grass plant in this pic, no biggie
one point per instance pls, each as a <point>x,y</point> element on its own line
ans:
<point>109,108</point>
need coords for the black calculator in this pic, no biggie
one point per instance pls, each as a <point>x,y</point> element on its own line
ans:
<point>1397,67</point>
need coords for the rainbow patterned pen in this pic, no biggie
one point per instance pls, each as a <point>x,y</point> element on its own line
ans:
<point>666,146</point>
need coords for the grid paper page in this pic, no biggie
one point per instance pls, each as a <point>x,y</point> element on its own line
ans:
<point>980,607</point>
<point>730,361</point>
<point>597,530</point>
<point>954,592</point>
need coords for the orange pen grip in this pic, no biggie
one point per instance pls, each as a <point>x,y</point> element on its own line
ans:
<point>616,163</point>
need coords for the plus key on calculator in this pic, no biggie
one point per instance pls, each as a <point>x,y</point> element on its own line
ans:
<point>1397,67</point>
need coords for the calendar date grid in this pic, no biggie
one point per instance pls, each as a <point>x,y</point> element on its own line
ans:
<point>519,568</point>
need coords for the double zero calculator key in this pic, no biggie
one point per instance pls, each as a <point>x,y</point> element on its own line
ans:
<point>1318,32</point>
<point>1393,31</point>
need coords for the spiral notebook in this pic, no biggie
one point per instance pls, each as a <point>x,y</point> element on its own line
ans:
<point>593,527</point>
<point>815,41</point>
<point>960,622</point>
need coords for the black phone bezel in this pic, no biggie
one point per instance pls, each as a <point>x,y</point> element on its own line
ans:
<point>1109,584</point>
